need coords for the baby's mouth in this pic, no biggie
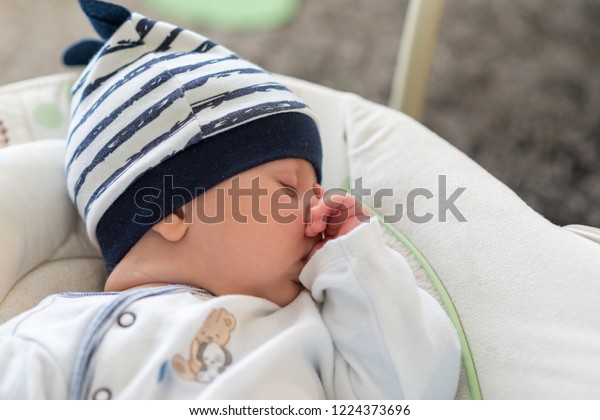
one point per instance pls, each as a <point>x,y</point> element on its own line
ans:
<point>305,259</point>
<point>313,249</point>
<point>306,256</point>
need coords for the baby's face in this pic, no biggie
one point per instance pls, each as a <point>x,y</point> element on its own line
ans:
<point>256,244</point>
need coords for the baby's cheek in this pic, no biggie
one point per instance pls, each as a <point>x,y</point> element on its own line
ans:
<point>283,207</point>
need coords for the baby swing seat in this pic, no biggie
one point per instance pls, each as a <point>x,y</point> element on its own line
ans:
<point>522,292</point>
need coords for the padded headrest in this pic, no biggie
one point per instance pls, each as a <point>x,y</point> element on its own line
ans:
<point>36,215</point>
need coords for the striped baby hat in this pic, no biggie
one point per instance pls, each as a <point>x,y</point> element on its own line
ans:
<point>161,114</point>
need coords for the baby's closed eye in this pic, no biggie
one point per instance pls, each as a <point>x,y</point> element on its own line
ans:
<point>290,191</point>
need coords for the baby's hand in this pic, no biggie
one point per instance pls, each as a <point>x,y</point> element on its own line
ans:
<point>334,214</point>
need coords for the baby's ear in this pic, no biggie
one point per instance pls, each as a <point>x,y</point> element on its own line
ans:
<point>173,227</point>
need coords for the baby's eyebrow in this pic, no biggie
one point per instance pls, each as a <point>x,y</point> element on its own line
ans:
<point>289,175</point>
<point>292,169</point>
<point>292,173</point>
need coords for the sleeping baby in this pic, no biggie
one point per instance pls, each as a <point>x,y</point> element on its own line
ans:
<point>232,273</point>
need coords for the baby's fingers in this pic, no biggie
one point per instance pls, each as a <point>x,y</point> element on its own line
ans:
<point>351,214</point>
<point>319,217</point>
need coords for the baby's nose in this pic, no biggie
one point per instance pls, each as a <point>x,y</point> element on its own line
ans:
<point>310,201</point>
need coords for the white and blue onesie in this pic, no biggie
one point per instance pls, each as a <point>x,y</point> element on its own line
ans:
<point>362,329</point>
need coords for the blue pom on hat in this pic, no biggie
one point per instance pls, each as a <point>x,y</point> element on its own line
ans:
<point>160,110</point>
<point>82,52</point>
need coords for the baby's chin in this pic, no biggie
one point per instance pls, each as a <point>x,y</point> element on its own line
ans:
<point>291,293</point>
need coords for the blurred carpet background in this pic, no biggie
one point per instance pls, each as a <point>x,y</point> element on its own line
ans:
<point>515,85</point>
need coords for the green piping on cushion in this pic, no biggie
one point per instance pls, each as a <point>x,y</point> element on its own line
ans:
<point>467,357</point>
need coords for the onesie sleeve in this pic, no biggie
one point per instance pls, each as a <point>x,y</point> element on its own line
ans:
<point>28,371</point>
<point>392,339</point>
